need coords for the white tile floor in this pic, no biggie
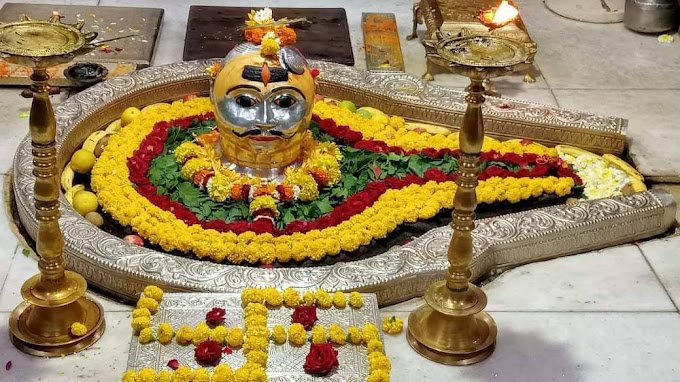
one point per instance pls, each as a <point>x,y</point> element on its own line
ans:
<point>609,315</point>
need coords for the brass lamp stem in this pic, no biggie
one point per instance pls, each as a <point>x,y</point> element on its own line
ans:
<point>452,326</point>
<point>53,299</point>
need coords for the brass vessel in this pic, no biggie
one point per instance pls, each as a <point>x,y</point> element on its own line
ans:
<point>55,298</point>
<point>452,327</point>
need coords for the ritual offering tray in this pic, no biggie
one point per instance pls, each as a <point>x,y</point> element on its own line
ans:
<point>310,174</point>
<point>270,338</point>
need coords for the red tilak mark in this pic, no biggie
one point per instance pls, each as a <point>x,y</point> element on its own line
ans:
<point>266,74</point>
<point>315,72</point>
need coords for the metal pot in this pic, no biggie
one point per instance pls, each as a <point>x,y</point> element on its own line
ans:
<point>651,16</point>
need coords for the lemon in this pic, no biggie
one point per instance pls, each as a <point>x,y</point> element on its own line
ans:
<point>85,202</point>
<point>95,218</point>
<point>82,161</point>
<point>365,113</point>
<point>349,105</point>
<point>129,115</point>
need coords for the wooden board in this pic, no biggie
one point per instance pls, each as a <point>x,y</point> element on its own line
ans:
<point>212,32</point>
<point>381,41</point>
<point>109,22</point>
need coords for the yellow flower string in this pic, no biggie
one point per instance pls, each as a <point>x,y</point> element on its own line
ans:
<point>120,199</point>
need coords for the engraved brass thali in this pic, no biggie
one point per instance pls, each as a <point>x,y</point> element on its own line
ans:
<point>40,38</point>
<point>400,273</point>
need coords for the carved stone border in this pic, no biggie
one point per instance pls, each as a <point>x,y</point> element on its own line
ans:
<point>500,242</point>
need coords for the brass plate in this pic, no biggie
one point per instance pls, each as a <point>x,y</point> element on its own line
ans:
<point>483,51</point>
<point>39,39</point>
<point>41,346</point>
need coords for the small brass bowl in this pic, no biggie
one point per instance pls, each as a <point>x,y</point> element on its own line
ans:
<point>86,73</point>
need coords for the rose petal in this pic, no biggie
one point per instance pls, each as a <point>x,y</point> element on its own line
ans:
<point>173,364</point>
<point>8,365</point>
<point>227,350</point>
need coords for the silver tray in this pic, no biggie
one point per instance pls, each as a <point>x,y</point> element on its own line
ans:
<point>401,273</point>
<point>285,361</point>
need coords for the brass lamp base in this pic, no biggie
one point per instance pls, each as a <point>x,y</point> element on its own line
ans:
<point>40,327</point>
<point>452,328</point>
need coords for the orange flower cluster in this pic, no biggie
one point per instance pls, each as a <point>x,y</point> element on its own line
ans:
<point>286,35</point>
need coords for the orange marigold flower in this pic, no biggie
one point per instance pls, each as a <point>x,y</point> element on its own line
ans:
<point>286,34</point>
<point>320,176</point>
<point>286,192</point>
<point>262,190</point>
<point>200,176</point>
<point>254,35</point>
<point>237,192</point>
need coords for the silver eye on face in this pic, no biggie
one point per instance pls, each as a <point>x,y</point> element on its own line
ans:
<point>285,101</point>
<point>245,100</point>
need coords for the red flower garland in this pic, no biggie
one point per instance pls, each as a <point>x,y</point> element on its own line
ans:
<point>153,144</point>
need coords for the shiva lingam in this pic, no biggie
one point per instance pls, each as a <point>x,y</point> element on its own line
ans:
<point>263,107</point>
<point>55,298</point>
<point>450,18</point>
<point>452,327</point>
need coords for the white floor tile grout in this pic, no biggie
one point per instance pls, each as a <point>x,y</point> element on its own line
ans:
<point>665,289</point>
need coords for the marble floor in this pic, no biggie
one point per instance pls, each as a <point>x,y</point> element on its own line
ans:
<point>609,315</point>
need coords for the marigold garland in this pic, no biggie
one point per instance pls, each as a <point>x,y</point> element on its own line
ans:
<point>384,205</point>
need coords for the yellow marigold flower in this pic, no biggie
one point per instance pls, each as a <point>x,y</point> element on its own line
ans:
<point>129,376</point>
<point>323,299</point>
<point>146,336</point>
<point>375,346</point>
<point>273,297</point>
<point>291,297</point>
<point>201,333</point>
<point>254,309</point>
<point>308,298</point>
<point>257,356</point>
<point>308,187</point>
<point>392,325</point>
<point>255,321</point>
<point>356,300</point>
<point>255,343</point>
<point>154,292</point>
<point>279,334</point>
<point>378,361</point>
<point>354,335</point>
<point>149,303</point>
<point>219,334</point>
<point>235,337</point>
<point>336,334</point>
<point>264,202</point>
<point>194,165</point>
<point>370,332</point>
<point>164,376</point>
<point>146,374</point>
<point>219,187</point>
<point>297,335</point>
<point>78,329</point>
<point>379,376</point>
<point>201,375</point>
<point>213,69</point>
<point>183,374</point>
<point>187,150</point>
<point>141,312</point>
<point>184,335</point>
<point>269,46</point>
<point>165,333</point>
<point>140,323</point>
<point>222,373</point>
<point>319,335</point>
<point>252,295</point>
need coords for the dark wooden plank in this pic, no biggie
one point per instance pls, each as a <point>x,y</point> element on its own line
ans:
<point>212,32</point>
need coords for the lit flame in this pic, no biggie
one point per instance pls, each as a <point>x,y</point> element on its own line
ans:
<point>504,13</point>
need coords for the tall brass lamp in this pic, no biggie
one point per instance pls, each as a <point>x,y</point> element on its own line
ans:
<point>452,327</point>
<point>55,298</point>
